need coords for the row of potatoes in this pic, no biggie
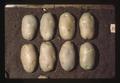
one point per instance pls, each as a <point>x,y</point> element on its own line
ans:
<point>47,55</point>
<point>66,26</point>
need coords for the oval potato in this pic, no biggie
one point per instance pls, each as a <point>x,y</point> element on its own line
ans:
<point>66,26</point>
<point>28,57</point>
<point>67,56</point>
<point>47,56</point>
<point>86,25</point>
<point>29,26</point>
<point>47,26</point>
<point>87,56</point>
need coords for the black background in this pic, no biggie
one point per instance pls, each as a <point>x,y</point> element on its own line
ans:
<point>115,2</point>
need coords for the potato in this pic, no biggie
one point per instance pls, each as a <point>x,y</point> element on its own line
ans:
<point>47,56</point>
<point>67,56</point>
<point>87,56</point>
<point>87,26</point>
<point>28,57</point>
<point>66,26</point>
<point>42,77</point>
<point>47,26</point>
<point>29,26</point>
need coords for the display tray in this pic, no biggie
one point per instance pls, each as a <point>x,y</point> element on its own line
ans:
<point>104,42</point>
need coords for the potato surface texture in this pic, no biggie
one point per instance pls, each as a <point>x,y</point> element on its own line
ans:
<point>28,57</point>
<point>47,26</point>
<point>29,26</point>
<point>87,56</point>
<point>87,26</point>
<point>47,56</point>
<point>67,56</point>
<point>66,26</point>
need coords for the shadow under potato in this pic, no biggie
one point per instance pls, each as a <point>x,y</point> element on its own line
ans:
<point>56,52</point>
<point>37,30</point>
<point>56,25</point>
<point>6,75</point>
<point>96,27</point>
<point>97,56</point>
<point>76,56</point>
<point>75,33</point>
<point>37,62</point>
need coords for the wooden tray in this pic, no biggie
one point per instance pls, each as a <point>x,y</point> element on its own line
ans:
<point>104,41</point>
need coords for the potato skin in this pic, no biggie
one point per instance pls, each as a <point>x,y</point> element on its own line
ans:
<point>87,56</point>
<point>67,56</point>
<point>87,26</point>
<point>28,57</point>
<point>47,56</point>
<point>66,26</point>
<point>29,26</point>
<point>47,26</point>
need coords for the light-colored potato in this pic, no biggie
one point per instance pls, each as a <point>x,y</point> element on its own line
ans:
<point>47,56</point>
<point>87,26</point>
<point>87,56</point>
<point>67,56</point>
<point>66,26</point>
<point>47,26</point>
<point>29,26</point>
<point>28,57</point>
<point>42,77</point>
